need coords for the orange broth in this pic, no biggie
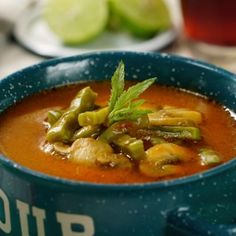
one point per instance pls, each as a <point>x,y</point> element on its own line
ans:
<point>22,133</point>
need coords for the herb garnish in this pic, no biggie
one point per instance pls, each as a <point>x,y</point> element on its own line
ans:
<point>123,104</point>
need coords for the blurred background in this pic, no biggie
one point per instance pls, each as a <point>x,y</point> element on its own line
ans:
<point>36,30</point>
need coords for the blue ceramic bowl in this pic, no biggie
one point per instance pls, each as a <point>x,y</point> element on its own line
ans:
<point>32,203</point>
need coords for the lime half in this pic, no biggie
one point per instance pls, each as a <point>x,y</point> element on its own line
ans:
<point>76,21</point>
<point>143,17</point>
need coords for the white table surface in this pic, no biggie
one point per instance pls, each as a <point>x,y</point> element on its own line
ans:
<point>13,57</point>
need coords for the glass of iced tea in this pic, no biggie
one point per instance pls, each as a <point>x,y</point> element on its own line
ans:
<point>211,23</point>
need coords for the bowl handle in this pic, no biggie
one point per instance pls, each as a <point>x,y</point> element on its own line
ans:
<point>184,221</point>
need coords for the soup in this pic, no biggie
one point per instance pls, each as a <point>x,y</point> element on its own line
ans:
<point>186,133</point>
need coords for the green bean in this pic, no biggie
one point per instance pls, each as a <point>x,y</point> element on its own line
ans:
<point>96,117</point>
<point>122,127</point>
<point>84,100</point>
<point>87,131</point>
<point>178,132</point>
<point>174,116</point>
<point>209,156</point>
<point>53,116</point>
<point>130,146</point>
<point>111,132</point>
<point>64,128</point>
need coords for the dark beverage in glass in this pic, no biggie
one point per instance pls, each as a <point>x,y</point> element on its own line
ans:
<point>210,21</point>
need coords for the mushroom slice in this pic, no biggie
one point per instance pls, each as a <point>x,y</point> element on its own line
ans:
<point>164,159</point>
<point>88,150</point>
<point>61,148</point>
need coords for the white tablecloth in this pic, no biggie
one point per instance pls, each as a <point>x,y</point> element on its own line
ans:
<point>13,57</point>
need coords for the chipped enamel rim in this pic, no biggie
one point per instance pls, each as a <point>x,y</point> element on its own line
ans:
<point>44,179</point>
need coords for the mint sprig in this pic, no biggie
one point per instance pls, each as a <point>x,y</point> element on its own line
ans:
<point>117,85</point>
<point>124,104</point>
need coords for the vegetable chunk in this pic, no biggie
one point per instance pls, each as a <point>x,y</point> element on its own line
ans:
<point>91,152</point>
<point>163,159</point>
<point>86,151</point>
<point>64,128</point>
<point>174,116</point>
<point>131,146</point>
<point>209,157</point>
<point>96,117</point>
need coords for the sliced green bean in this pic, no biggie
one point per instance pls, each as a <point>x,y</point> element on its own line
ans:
<point>122,127</point>
<point>87,131</point>
<point>174,116</point>
<point>53,116</point>
<point>178,132</point>
<point>131,146</point>
<point>64,128</point>
<point>96,117</point>
<point>84,100</point>
<point>111,132</point>
<point>209,156</point>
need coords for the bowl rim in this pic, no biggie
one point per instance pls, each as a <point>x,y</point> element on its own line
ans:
<point>45,179</point>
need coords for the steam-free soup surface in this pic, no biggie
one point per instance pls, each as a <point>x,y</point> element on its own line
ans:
<point>22,133</point>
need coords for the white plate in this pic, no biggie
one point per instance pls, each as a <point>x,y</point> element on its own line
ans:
<point>33,33</point>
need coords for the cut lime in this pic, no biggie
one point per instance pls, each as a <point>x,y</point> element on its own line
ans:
<point>114,22</point>
<point>76,21</point>
<point>143,17</point>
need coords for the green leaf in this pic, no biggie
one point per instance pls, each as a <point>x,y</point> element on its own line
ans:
<point>133,93</point>
<point>137,103</point>
<point>121,104</point>
<point>117,85</point>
